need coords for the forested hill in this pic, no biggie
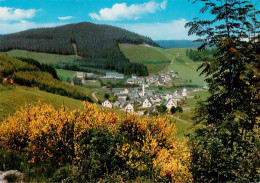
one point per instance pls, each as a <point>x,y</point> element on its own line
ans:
<point>98,44</point>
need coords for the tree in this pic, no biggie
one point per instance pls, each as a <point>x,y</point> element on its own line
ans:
<point>173,110</point>
<point>77,81</point>
<point>127,98</point>
<point>225,145</point>
<point>106,96</point>
<point>162,108</point>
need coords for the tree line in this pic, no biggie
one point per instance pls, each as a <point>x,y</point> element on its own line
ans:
<point>202,55</point>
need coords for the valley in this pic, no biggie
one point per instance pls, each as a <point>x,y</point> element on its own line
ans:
<point>158,61</point>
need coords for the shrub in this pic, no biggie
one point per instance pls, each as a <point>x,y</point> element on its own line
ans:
<point>96,144</point>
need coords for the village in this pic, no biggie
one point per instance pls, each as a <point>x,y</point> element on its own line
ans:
<point>137,97</point>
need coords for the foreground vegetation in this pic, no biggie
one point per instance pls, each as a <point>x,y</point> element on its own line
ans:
<point>225,145</point>
<point>93,146</point>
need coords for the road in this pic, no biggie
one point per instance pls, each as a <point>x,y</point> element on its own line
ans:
<point>181,119</point>
<point>94,96</point>
<point>165,68</point>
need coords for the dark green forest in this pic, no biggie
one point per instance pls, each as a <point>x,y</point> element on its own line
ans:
<point>97,44</point>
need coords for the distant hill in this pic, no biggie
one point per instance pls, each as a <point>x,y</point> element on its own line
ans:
<point>178,44</point>
<point>97,44</point>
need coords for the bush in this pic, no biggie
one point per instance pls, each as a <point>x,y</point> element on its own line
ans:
<point>91,145</point>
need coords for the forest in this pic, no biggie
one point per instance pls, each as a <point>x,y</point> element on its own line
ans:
<point>97,44</point>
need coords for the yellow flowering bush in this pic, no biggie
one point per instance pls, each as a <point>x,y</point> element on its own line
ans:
<point>97,141</point>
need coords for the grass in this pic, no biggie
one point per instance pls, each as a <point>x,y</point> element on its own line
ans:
<point>182,129</point>
<point>191,104</point>
<point>186,68</point>
<point>65,75</point>
<point>154,58</point>
<point>46,58</point>
<point>12,97</point>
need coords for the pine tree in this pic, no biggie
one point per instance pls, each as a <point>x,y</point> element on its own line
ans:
<point>225,145</point>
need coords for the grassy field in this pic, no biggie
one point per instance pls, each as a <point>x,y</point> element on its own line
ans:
<point>46,58</point>
<point>182,129</point>
<point>12,97</point>
<point>66,75</point>
<point>191,103</point>
<point>154,58</point>
<point>186,68</point>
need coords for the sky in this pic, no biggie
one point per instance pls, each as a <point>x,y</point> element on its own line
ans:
<point>157,19</point>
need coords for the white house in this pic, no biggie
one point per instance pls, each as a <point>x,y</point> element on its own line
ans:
<point>134,76</point>
<point>114,75</point>
<point>128,107</point>
<point>90,74</point>
<point>130,81</point>
<point>124,91</point>
<point>116,104</point>
<point>184,92</point>
<point>168,96</point>
<point>146,103</point>
<point>80,75</point>
<point>155,99</point>
<point>106,103</point>
<point>170,103</point>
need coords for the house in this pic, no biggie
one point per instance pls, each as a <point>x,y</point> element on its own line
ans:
<point>184,92</point>
<point>122,96</point>
<point>134,76</point>
<point>152,110</point>
<point>161,82</point>
<point>128,107</point>
<point>130,81</point>
<point>90,75</point>
<point>80,75</point>
<point>168,96</point>
<point>146,103</point>
<point>124,91</point>
<point>116,104</point>
<point>114,75</point>
<point>155,99</point>
<point>106,103</point>
<point>170,103</point>
<point>135,95</point>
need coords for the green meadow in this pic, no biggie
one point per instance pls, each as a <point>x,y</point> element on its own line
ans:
<point>46,58</point>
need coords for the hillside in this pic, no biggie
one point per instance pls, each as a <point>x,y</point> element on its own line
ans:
<point>31,73</point>
<point>178,44</point>
<point>162,60</point>
<point>46,58</point>
<point>154,58</point>
<point>12,97</point>
<point>97,44</point>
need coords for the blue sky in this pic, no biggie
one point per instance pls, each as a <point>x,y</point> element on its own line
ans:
<point>158,19</point>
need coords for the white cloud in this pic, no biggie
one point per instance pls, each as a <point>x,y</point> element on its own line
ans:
<point>11,14</point>
<point>173,30</point>
<point>65,18</point>
<point>7,28</point>
<point>123,12</point>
